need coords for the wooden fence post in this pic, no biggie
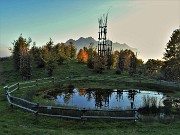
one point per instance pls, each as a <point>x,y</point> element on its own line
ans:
<point>134,114</point>
<point>36,113</point>
<point>5,92</point>
<point>11,99</point>
<point>18,86</point>
<point>83,113</point>
<point>53,80</point>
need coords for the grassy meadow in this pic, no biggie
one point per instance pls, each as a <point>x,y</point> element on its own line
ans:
<point>19,122</point>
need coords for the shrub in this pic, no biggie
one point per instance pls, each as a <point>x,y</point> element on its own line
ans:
<point>100,64</point>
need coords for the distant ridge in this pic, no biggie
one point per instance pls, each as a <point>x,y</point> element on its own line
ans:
<point>81,42</point>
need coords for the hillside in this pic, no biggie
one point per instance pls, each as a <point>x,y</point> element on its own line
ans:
<point>81,42</point>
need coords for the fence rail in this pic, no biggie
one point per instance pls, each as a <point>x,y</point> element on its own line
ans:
<point>63,112</point>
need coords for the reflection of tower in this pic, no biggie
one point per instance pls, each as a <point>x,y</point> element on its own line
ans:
<point>104,46</point>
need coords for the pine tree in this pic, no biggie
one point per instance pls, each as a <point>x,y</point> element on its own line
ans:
<point>171,70</point>
<point>21,56</point>
<point>133,65</point>
<point>121,62</point>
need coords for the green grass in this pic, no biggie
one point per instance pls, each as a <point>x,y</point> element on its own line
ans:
<point>18,122</point>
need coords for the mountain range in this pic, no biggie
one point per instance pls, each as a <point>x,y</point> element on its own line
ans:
<point>81,42</point>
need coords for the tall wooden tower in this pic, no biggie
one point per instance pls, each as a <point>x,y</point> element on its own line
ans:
<point>104,45</point>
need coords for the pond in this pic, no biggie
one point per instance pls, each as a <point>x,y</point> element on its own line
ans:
<point>107,98</point>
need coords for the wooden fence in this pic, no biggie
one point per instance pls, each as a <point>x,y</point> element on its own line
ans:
<point>63,112</point>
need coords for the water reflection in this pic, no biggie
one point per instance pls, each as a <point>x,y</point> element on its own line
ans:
<point>107,99</point>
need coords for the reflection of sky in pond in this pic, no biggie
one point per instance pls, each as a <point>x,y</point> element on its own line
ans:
<point>82,98</point>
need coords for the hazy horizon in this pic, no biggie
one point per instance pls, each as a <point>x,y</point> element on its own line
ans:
<point>143,24</point>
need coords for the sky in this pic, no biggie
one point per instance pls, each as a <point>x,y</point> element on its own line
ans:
<point>143,24</point>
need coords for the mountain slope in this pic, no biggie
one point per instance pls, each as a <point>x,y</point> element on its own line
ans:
<point>81,42</point>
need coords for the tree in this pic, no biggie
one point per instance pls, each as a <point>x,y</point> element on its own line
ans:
<point>92,54</point>
<point>171,70</point>
<point>133,65</point>
<point>82,56</point>
<point>100,64</point>
<point>36,54</point>
<point>49,45</point>
<point>73,50</point>
<point>20,47</point>
<point>153,67</point>
<point>116,58</point>
<point>110,60</point>
<point>140,67</point>
<point>127,54</point>
<point>21,56</point>
<point>48,51</point>
<point>59,50</point>
<point>50,66</point>
<point>121,62</point>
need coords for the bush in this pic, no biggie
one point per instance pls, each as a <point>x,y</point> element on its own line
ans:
<point>100,64</point>
<point>61,59</point>
<point>90,63</point>
<point>50,67</point>
<point>118,71</point>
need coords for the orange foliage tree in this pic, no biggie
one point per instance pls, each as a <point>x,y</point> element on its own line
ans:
<point>82,56</point>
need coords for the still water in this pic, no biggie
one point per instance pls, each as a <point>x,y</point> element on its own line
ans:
<point>108,99</point>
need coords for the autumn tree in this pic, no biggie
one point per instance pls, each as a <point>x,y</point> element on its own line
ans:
<point>171,70</point>
<point>82,56</point>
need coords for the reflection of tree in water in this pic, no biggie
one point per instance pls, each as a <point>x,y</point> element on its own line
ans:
<point>89,94</point>
<point>131,94</point>
<point>68,94</point>
<point>81,92</point>
<point>119,95</point>
<point>102,97</point>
